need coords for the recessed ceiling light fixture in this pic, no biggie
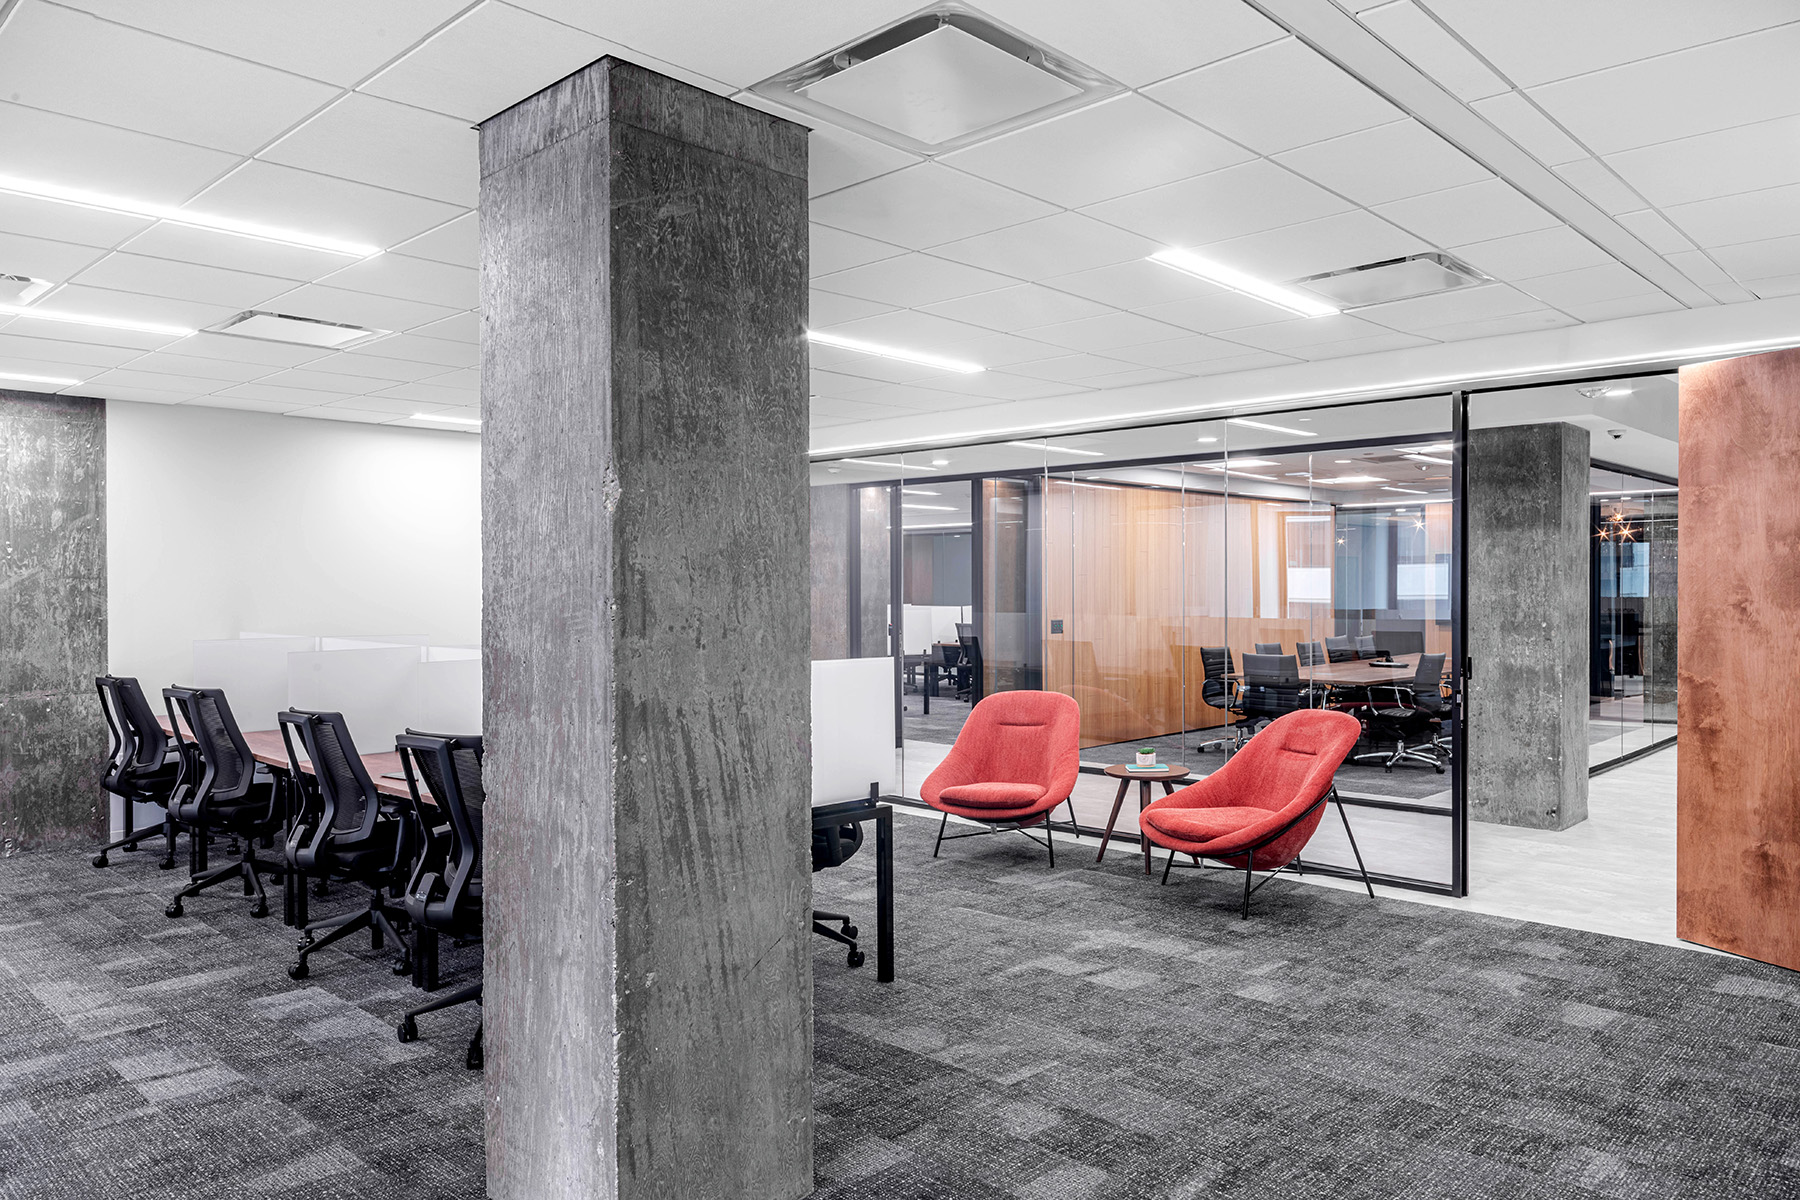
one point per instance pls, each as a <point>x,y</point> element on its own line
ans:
<point>1271,428</point>
<point>177,216</point>
<point>1189,263</point>
<point>1408,491</point>
<point>1058,449</point>
<point>299,331</point>
<point>894,352</point>
<point>1238,464</point>
<point>1207,439</point>
<point>932,507</point>
<point>1430,458</point>
<point>1603,390</point>
<point>42,314</point>
<point>451,420</point>
<point>50,379</point>
<point>1353,479</point>
<point>918,491</point>
<point>876,462</point>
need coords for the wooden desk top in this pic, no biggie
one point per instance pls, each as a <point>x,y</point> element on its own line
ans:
<point>267,748</point>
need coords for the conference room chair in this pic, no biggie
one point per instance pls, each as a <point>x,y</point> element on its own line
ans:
<point>142,765</point>
<point>1015,760</point>
<point>221,790</point>
<point>833,846</point>
<point>345,830</point>
<point>1365,646</point>
<point>444,896</point>
<point>1215,689</point>
<point>1259,810</point>
<point>1408,715</point>
<point>1310,654</point>
<point>1272,688</point>
<point>1268,647</point>
<point>1340,649</point>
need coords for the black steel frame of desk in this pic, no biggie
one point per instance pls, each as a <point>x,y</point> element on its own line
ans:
<point>826,815</point>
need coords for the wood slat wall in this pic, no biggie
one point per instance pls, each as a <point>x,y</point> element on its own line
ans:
<point>1738,812</point>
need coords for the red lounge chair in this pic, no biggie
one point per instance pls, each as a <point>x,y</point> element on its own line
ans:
<point>1015,760</point>
<point>1261,808</point>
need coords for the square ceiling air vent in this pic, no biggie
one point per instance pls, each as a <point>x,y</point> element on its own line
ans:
<point>21,289</point>
<point>937,81</point>
<point>302,331</point>
<point>1394,279</point>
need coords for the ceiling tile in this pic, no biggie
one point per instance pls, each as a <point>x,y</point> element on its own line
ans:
<point>1156,39</point>
<point>1654,230</point>
<point>1535,41</point>
<point>1134,378</point>
<point>307,40</point>
<point>1699,266</point>
<point>365,366</point>
<point>1105,332</point>
<point>1625,306</point>
<point>912,280</point>
<point>837,158</point>
<point>1248,198</point>
<point>142,395</point>
<point>1473,212</point>
<point>1253,361</point>
<point>406,396</point>
<point>169,362</point>
<point>1588,285</point>
<point>925,206</point>
<point>1275,98</point>
<point>1525,322</point>
<point>297,397</point>
<point>389,145</point>
<point>1540,252</point>
<point>1070,368</point>
<point>1054,245</point>
<point>830,383</point>
<point>1351,347</point>
<point>19,345</point>
<point>1769,289</point>
<point>1433,49</point>
<point>332,413</point>
<point>1745,159</point>
<point>1424,313</point>
<point>135,80</point>
<point>1019,307</point>
<point>1522,121</point>
<point>457,241</point>
<point>1177,352</point>
<point>304,200</point>
<point>834,250</point>
<point>88,335</point>
<point>908,328</point>
<point>1388,162</point>
<point>324,381</point>
<point>157,380</point>
<point>1716,86</point>
<point>1596,181</point>
<point>825,309</point>
<point>228,348</point>
<point>66,222</point>
<point>1288,336</point>
<point>182,243</point>
<point>47,369</point>
<point>994,349</point>
<point>1761,260</point>
<point>238,404</point>
<point>867,366</point>
<point>458,327</point>
<point>1331,243</point>
<point>131,306</point>
<point>356,308</point>
<point>1138,283</point>
<point>183,281</point>
<point>42,259</point>
<point>1211,309</point>
<point>48,147</point>
<point>1002,385</point>
<point>421,349</point>
<point>408,278</point>
<point>1121,145</point>
<point>1745,217</point>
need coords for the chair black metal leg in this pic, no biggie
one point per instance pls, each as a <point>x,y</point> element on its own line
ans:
<point>1073,819</point>
<point>1359,861</point>
<point>1167,867</point>
<point>1249,869</point>
<point>1049,840</point>
<point>940,838</point>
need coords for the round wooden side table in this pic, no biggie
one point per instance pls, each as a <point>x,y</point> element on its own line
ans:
<point>1168,776</point>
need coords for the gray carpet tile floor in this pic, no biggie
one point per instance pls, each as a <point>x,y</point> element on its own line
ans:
<point>1070,1034</point>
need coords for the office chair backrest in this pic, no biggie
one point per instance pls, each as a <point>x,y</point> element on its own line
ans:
<point>834,845</point>
<point>228,766</point>
<point>1268,647</point>
<point>1216,662</point>
<point>1365,643</point>
<point>351,803</point>
<point>1309,653</point>
<point>964,630</point>
<point>450,765</point>
<point>1271,668</point>
<point>1428,682</point>
<point>120,748</point>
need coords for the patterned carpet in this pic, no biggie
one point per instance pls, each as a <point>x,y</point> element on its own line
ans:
<point>1053,1035</point>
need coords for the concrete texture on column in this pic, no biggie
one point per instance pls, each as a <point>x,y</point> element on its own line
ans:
<point>1528,625</point>
<point>875,581</point>
<point>52,617</point>
<point>831,571</point>
<point>644,488</point>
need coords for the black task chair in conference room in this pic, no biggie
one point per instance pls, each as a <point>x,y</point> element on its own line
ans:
<point>1408,715</point>
<point>142,764</point>
<point>221,790</point>
<point>1340,649</point>
<point>1268,647</point>
<point>1215,689</point>
<point>1310,654</point>
<point>343,831</point>
<point>444,896</point>
<point>1272,688</point>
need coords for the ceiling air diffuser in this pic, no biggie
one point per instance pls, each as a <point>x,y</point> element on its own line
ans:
<point>1394,279</point>
<point>299,331</point>
<point>938,80</point>
<point>21,289</point>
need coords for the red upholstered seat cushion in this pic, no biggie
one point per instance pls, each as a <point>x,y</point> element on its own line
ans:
<point>993,795</point>
<point>1201,824</point>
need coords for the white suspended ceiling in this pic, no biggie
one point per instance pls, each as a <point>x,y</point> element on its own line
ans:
<point>1601,161</point>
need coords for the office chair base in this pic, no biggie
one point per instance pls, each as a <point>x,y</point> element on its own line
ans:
<point>408,1028</point>
<point>132,837</point>
<point>378,918</point>
<point>1425,754</point>
<point>247,869</point>
<point>845,935</point>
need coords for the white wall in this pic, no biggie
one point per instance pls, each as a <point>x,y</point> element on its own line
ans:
<point>221,521</point>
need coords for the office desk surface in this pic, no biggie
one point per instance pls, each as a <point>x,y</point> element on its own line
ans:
<point>267,748</point>
<point>1360,673</point>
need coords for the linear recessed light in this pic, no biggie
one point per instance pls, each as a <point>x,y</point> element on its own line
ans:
<point>1238,464</point>
<point>451,420</point>
<point>1247,474</point>
<point>1058,449</point>
<point>1189,263</point>
<point>1353,479</point>
<point>1271,428</point>
<point>50,379</point>
<point>42,314</point>
<point>939,525</point>
<point>163,212</point>
<point>1445,462</point>
<point>1408,491</point>
<point>1097,486</point>
<point>1207,439</point>
<point>918,491</point>
<point>894,352</point>
<point>932,507</point>
<point>876,462</point>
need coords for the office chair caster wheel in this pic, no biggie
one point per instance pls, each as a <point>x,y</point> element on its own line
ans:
<point>408,1030</point>
<point>298,969</point>
<point>174,909</point>
<point>402,966</point>
<point>260,910</point>
<point>849,930</point>
<point>1439,770</point>
<point>99,860</point>
<point>854,958</point>
<point>167,864</point>
<point>474,1059</point>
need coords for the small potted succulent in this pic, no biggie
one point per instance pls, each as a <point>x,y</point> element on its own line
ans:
<point>1146,756</point>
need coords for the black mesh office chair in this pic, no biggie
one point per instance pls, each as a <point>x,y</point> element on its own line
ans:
<point>1365,646</point>
<point>343,831</point>
<point>1272,687</point>
<point>444,896</point>
<point>973,685</point>
<point>832,847</point>
<point>1340,649</point>
<point>221,789</point>
<point>1406,714</point>
<point>142,764</point>
<point>1268,647</point>
<point>1215,689</point>
<point>1311,654</point>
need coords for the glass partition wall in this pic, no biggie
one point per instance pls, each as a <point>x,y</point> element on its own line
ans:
<point>1631,588</point>
<point>1311,553</point>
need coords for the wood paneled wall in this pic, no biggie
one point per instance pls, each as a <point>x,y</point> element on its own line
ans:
<point>1738,824</point>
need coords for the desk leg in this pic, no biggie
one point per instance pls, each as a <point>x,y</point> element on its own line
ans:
<point>1118,802</point>
<point>1143,803</point>
<point>926,690</point>
<point>884,896</point>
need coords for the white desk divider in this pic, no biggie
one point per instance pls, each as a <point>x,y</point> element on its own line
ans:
<point>374,687</point>
<point>253,670</point>
<point>853,728</point>
<point>447,690</point>
<point>369,641</point>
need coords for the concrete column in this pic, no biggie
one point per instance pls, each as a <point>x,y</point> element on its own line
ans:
<point>52,617</point>
<point>644,533</point>
<point>1528,625</point>
<point>831,571</point>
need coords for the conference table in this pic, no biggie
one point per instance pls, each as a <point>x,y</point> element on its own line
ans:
<point>1362,672</point>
